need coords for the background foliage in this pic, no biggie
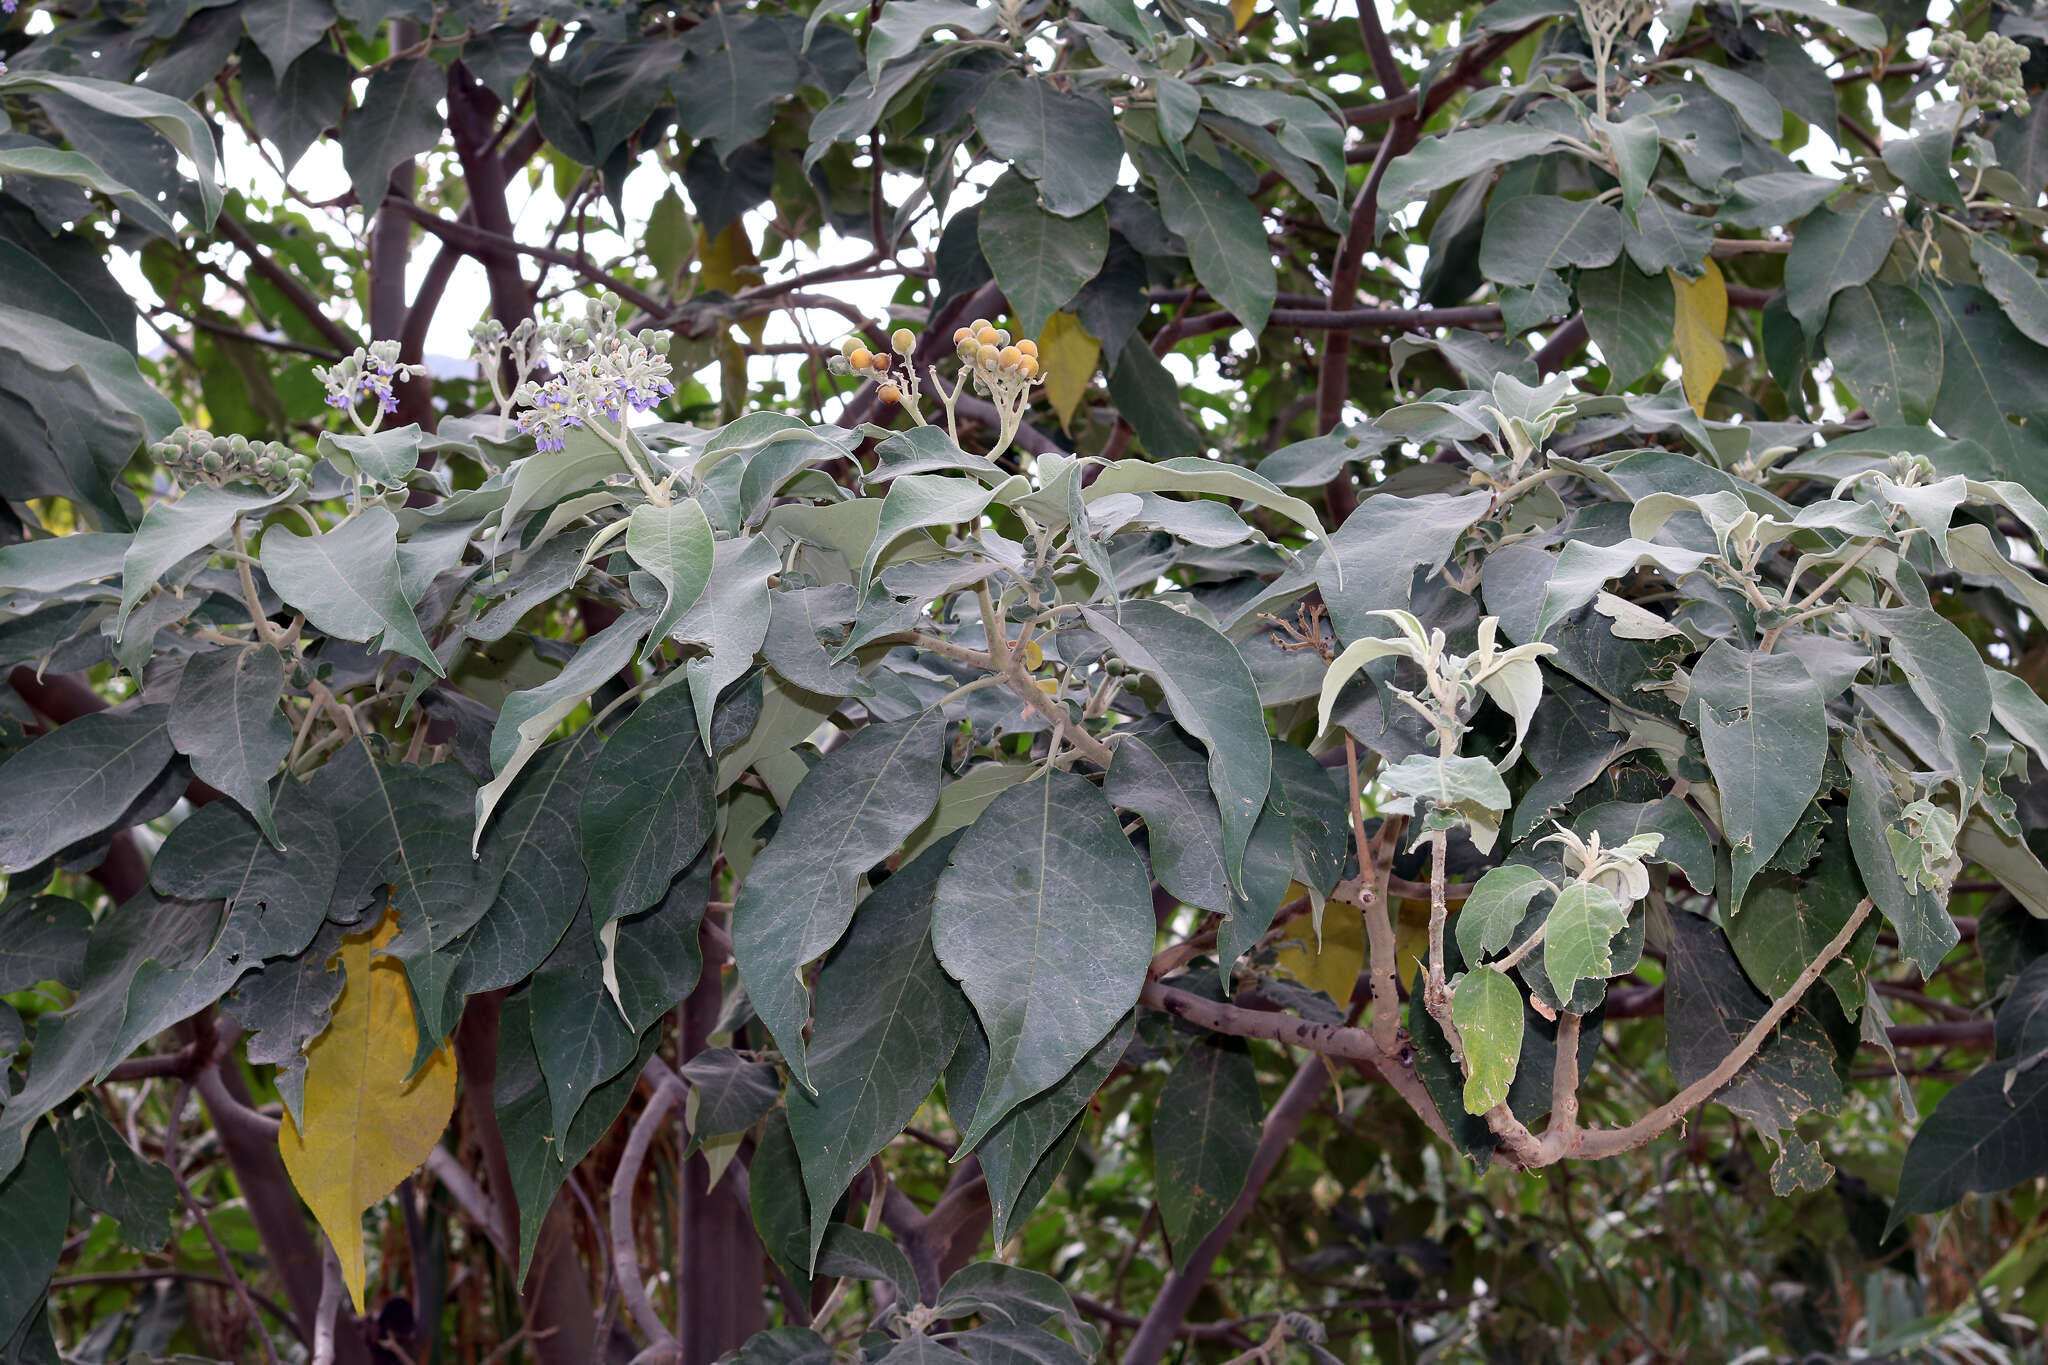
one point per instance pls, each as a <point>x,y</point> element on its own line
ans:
<point>1501,820</point>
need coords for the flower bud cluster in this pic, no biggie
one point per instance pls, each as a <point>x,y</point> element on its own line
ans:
<point>371,372</point>
<point>855,358</point>
<point>197,456</point>
<point>1987,71</point>
<point>602,371</point>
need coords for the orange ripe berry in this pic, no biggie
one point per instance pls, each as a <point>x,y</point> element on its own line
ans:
<point>1028,346</point>
<point>890,393</point>
<point>1028,366</point>
<point>1009,356</point>
<point>988,356</point>
<point>861,358</point>
<point>986,336</point>
<point>961,334</point>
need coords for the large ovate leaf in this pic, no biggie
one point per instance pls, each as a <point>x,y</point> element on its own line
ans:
<point>1577,936</point>
<point>35,1201</point>
<point>1040,259</point>
<point>1067,143</point>
<point>1205,1129</point>
<point>369,1119</point>
<point>1764,725</point>
<point>1044,917</point>
<point>77,780</point>
<point>886,1022</point>
<point>226,719</point>
<point>1213,697</point>
<point>674,544</point>
<point>846,815</point>
<point>348,582</point>
<point>647,807</point>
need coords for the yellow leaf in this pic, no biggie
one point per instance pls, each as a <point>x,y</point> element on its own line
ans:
<point>728,264</point>
<point>1242,11</point>
<point>1701,319</point>
<point>1067,356</point>
<point>366,1126</point>
<point>1034,657</point>
<point>1332,967</point>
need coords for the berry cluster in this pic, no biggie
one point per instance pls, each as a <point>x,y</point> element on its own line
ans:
<point>602,372</point>
<point>372,372</point>
<point>1987,71</point>
<point>197,456</point>
<point>991,357</point>
<point>855,358</point>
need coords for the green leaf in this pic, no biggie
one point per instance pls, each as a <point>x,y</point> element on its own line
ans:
<point>226,718</point>
<point>1067,143</point>
<point>348,582</point>
<point>1495,906</point>
<point>1948,676</point>
<point>848,813</point>
<point>1040,259</point>
<point>172,119</point>
<point>1859,27</point>
<point>43,939</point>
<point>1534,234</point>
<point>1374,555</point>
<point>1148,397</point>
<point>578,1033</point>
<point>276,897</point>
<point>1763,723</point>
<point>540,1164</point>
<point>1025,1152</point>
<point>1630,316</point>
<point>738,69</point>
<point>108,1175</point>
<point>1205,1130</point>
<point>1886,346</point>
<point>55,563</point>
<point>293,108</point>
<point>534,856</point>
<point>1709,1006</point>
<point>1578,934</point>
<point>1211,693</point>
<point>887,1018</point>
<point>729,622</point>
<point>1044,917</point>
<point>1993,383</point>
<point>1008,1294</point>
<point>1926,933</point>
<point>77,780</point>
<point>1225,233</point>
<point>387,456</point>
<point>861,1255</point>
<point>1584,568</point>
<point>529,717</point>
<point>1458,155</point>
<point>1195,475</point>
<point>284,1005</point>
<point>2013,283</point>
<point>674,544</point>
<point>1789,919</point>
<point>1986,1136</point>
<point>396,121</point>
<point>1833,249</point>
<point>172,530</point>
<point>918,501</point>
<point>648,806</point>
<point>1487,1008</point>
<point>1921,162</point>
<point>401,831</point>
<point>654,958</point>
<point>282,29</point>
<point>729,1093</point>
<point>775,1191</point>
<point>35,1205</point>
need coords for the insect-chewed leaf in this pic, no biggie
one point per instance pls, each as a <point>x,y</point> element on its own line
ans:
<point>367,1126</point>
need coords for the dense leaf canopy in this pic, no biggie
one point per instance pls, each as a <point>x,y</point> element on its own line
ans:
<point>1064,680</point>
